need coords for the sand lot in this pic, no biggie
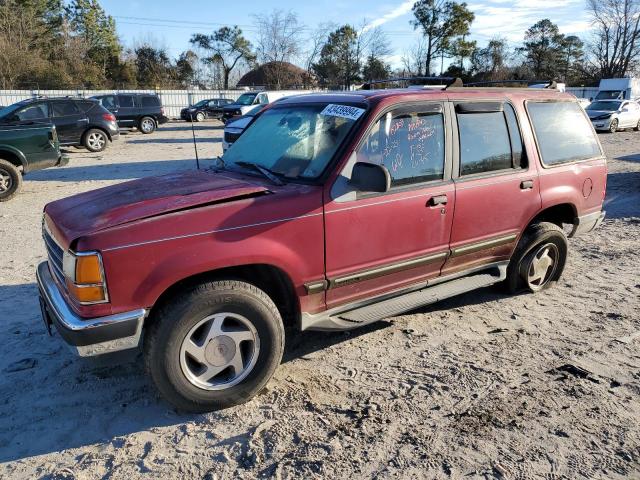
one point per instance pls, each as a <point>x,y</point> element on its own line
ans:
<point>473,387</point>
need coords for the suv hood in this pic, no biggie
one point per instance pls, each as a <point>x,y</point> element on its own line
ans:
<point>127,202</point>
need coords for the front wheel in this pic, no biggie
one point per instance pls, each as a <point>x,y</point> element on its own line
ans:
<point>147,125</point>
<point>637,128</point>
<point>214,346</point>
<point>10,180</point>
<point>95,140</point>
<point>539,258</point>
<point>613,127</point>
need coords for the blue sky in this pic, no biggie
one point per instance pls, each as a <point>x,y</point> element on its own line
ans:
<point>171,23</point>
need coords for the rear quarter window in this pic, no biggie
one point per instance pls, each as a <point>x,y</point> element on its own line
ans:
<point>150,101</point>
<point>563,132</point>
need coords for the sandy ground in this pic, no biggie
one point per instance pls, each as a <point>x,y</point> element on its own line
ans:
<point>474,387</point>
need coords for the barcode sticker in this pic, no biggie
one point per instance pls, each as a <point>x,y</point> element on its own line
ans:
<point>343,111</point>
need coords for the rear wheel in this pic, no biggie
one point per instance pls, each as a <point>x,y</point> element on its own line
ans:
<point>539,259</point>
<point>147,125</point>
<point>200,117</point>
<point>215,345</point>
<point>10,180</point>
<point>95,140</point>
<point>637,128</point>
<point>613,127</point>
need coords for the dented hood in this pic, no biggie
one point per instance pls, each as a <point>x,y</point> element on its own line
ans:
<point>108,207</point>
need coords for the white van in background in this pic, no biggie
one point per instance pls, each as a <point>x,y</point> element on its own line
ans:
<point>618,89</point>
<point>248,100</point>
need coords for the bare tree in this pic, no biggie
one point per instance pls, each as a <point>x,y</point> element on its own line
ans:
<point>415,58</point>
<point>279,36</point>
<point>616,46</point>
<point>316,40</point>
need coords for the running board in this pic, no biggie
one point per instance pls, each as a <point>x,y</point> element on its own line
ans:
<point>346,320</point>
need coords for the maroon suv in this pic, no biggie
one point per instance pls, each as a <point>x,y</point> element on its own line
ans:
<point>330,212</point>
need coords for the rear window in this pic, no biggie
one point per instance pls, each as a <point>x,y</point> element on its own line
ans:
<point>563,132</point>
<point>150,101</point>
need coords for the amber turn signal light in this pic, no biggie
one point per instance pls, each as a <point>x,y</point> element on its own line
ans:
<point>86,294</point>
<point>88,270</point>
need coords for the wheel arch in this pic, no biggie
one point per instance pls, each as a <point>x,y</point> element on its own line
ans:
<point>274,281</point>
<point>14,156</point>
<point>558,214</point>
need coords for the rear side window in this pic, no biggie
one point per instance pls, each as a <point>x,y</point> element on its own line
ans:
<point>489,140</point>
<point>63,109</point>
<point>125,101</point>
<point>85,106</point>
<point>150,101</point>
<point>563,132</point>
<point>410,143</point>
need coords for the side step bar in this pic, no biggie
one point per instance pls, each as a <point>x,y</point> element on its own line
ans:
<point>437,290</point>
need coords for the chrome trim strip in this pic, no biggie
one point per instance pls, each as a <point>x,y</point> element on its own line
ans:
<point>316,287</point>
<point>477,246</point>
<point>179,237</point>
<point>71,321</point>
<point>385,270</point>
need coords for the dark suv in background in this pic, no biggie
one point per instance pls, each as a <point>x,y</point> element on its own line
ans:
<point>143,111</point>
<point>208,108</point>
<point>78,121</point>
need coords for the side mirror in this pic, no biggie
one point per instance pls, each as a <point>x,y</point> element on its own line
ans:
<point>368,177</point>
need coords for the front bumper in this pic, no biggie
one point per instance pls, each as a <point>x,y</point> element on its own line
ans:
<point>586,223</point>
<point>87,336</point>
<point>603,124</point>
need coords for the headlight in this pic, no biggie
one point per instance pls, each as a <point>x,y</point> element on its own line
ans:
<point>85,277</point>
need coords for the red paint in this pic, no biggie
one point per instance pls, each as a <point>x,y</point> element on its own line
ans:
<point>154,232</point>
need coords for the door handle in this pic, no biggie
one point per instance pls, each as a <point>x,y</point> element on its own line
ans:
<point>437,200</point>
<point>526,185</point>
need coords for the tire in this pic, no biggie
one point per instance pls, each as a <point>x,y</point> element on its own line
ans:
<point>95,140</point>
<point>530,252</point>
<point>147,125</point>
<point>637,127</point>
<point>613,127</point>
<point>10,180</point>
<point>178,327</point>
<point>200,117</point>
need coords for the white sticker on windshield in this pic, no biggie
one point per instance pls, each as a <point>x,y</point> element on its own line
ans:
<point>344,111</point>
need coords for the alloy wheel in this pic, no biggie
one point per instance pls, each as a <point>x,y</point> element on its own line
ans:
<point>542,266</point>
<point>6,182</point>
<point>147,125</point>
<point>96,141</point>
<point>219,351</point>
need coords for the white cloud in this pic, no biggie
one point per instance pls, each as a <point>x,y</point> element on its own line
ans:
<point>402,9</point>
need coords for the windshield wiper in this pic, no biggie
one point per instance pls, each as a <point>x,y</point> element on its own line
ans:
<point>266,172</point>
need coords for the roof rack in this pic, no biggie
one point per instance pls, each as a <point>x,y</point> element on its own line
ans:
<point>448,81</point>
<point>550,84</point>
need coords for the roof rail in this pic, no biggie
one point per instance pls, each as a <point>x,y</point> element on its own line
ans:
<point>551,84</point>
<point>448,81</point>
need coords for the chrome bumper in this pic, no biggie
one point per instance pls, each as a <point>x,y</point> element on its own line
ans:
<point>87,336</point>
<point>586,223</point>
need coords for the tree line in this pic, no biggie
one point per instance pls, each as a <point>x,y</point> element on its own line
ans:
<point>51,44</point>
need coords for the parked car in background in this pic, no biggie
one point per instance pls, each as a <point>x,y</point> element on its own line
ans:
<point>612,115</point>
<point>234,128</point>
<point>245,102</point>
<point>209,108</point>
<point>24,149</point>
<point>78,121</point>
<point>143,111</point>
<point>330,212</point>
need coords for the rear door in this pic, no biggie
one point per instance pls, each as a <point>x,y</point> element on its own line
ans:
<point>377,243</point>
<point>69,119</point>
<point>127,111</point>
<point>497,187</point>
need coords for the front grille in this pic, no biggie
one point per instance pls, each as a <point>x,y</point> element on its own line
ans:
<point>231,137</point>
<point>55,253</point>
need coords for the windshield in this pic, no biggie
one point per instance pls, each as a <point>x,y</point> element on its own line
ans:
<point>201,103</point>
<point>608,106</point>
<point>7,110</point>
<point>609,94</point>
<point>295,141</point>
<point>246,98</point>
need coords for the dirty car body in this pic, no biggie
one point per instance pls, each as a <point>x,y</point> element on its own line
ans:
<point>336,210</point>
